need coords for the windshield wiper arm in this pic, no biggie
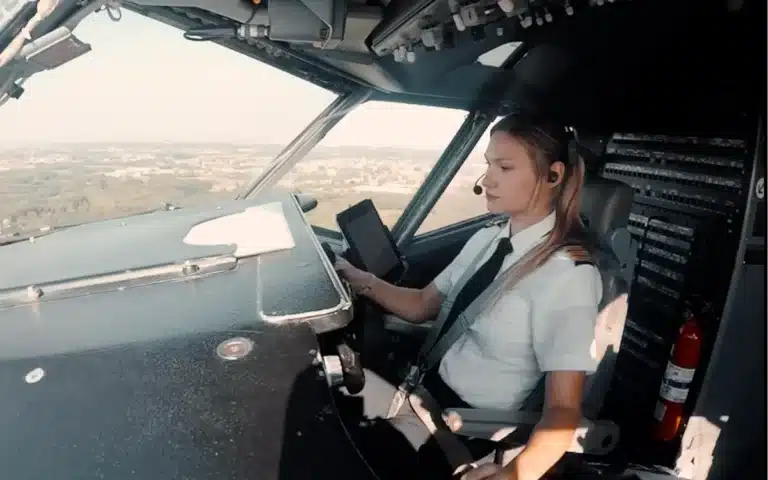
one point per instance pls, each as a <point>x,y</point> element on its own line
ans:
<point>29,236</point>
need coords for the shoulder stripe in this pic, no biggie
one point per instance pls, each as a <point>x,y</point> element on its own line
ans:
<point>578,254</point>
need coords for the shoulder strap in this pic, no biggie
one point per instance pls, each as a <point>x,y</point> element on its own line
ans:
<point>448,302</point>
<point>434,349</point>
<point>432,354</point>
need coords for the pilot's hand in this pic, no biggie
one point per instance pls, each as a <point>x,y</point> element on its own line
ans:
<point>453,421</point>
<point>343,266</point>
<point>359,280</point>
<point>486,471</point>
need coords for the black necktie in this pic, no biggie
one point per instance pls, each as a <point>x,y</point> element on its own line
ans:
<point>477,283</point>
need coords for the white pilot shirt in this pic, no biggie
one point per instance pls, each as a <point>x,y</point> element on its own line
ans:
<point>546,322</point>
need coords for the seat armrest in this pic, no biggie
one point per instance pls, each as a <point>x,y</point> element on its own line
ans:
<point>624,248</point>
<point>593,437</point>
<point>486,423</point>
<point>393,323</point>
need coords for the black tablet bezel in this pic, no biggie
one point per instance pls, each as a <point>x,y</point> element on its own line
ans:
<point>344,218</point>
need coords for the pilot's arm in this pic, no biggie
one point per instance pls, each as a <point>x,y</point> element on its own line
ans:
<point>411,304</point>
<point>415,305</point>
<point>551,437</point>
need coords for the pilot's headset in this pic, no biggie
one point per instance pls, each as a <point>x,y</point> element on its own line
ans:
<point>524,122</point>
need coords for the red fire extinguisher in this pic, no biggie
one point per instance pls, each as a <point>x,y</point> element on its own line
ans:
<point>684,359</point>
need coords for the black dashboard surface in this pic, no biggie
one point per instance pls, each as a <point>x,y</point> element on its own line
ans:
<point>129,382</point>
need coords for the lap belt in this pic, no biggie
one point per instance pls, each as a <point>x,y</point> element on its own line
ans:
<point>429,412</point>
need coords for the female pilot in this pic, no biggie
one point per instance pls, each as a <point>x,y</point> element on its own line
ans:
<point>540,325</point>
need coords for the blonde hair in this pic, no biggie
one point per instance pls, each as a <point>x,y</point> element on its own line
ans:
<point>547,143</point>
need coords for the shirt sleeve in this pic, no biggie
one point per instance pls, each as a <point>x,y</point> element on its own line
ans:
<point>564,327</point>
<point>448,277</point>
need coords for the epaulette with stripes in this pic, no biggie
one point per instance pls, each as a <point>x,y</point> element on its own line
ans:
<point>578,254</point>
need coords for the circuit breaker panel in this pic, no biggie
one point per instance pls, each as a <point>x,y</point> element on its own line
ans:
<point>690,195</point>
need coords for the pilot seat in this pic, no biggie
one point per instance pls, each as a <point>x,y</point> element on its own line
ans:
<point>606,206</point>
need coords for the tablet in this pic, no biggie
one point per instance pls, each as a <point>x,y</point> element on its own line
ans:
<point>371,246</point>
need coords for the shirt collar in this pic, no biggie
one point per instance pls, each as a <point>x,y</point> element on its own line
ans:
<point>523,240</point>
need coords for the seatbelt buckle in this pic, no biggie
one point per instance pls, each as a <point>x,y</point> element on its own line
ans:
<point>412,380</point>
<point>397,402</point>
<point>413,377</point>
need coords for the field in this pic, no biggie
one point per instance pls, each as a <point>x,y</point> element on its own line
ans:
<point>60,184</point>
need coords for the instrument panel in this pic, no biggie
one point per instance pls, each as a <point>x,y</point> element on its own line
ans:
<point>434,25</point>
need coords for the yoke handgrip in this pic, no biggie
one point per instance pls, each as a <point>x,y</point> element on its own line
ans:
<point>352,369</point>
<point>329,252</point>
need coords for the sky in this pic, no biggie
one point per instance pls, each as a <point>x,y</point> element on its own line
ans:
<point>143,81</point>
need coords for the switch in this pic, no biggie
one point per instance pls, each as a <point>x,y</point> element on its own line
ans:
<point>472,15</point>
<point>506,6</point>
<point>459,22</point>
<point>399,54</point>
<point>478,33</point>
<point>433,38</point>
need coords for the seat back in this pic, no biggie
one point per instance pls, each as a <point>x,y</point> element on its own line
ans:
<point>606,205</point>
<point>609,329</point>
<point>605,209</point>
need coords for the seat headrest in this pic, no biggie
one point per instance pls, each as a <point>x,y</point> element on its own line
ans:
<point>605,205</point>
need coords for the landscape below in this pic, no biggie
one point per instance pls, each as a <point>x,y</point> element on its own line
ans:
<point>62,184</point>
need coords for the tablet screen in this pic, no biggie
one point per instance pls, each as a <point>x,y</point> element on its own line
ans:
<point>369,239</point>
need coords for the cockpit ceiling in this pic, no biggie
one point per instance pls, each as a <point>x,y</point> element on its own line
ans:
<point>429,51</point>
<point>334,63</point>
<point>418,51</point>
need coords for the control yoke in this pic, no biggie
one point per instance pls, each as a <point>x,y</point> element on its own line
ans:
<point>345,367</point>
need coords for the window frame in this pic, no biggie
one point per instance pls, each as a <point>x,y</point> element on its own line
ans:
<point>452,158</point>
<point>432,188</point>
<point>467,222</point>
<point>297,158</point>
<point>298,148</point>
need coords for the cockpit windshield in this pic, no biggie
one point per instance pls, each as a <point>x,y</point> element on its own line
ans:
<point>184,137</point>
<point>154,131</point>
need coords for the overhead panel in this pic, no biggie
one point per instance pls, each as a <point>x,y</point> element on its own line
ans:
<point>437,24</point>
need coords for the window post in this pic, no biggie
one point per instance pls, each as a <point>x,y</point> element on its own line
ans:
<point>306,141</point>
